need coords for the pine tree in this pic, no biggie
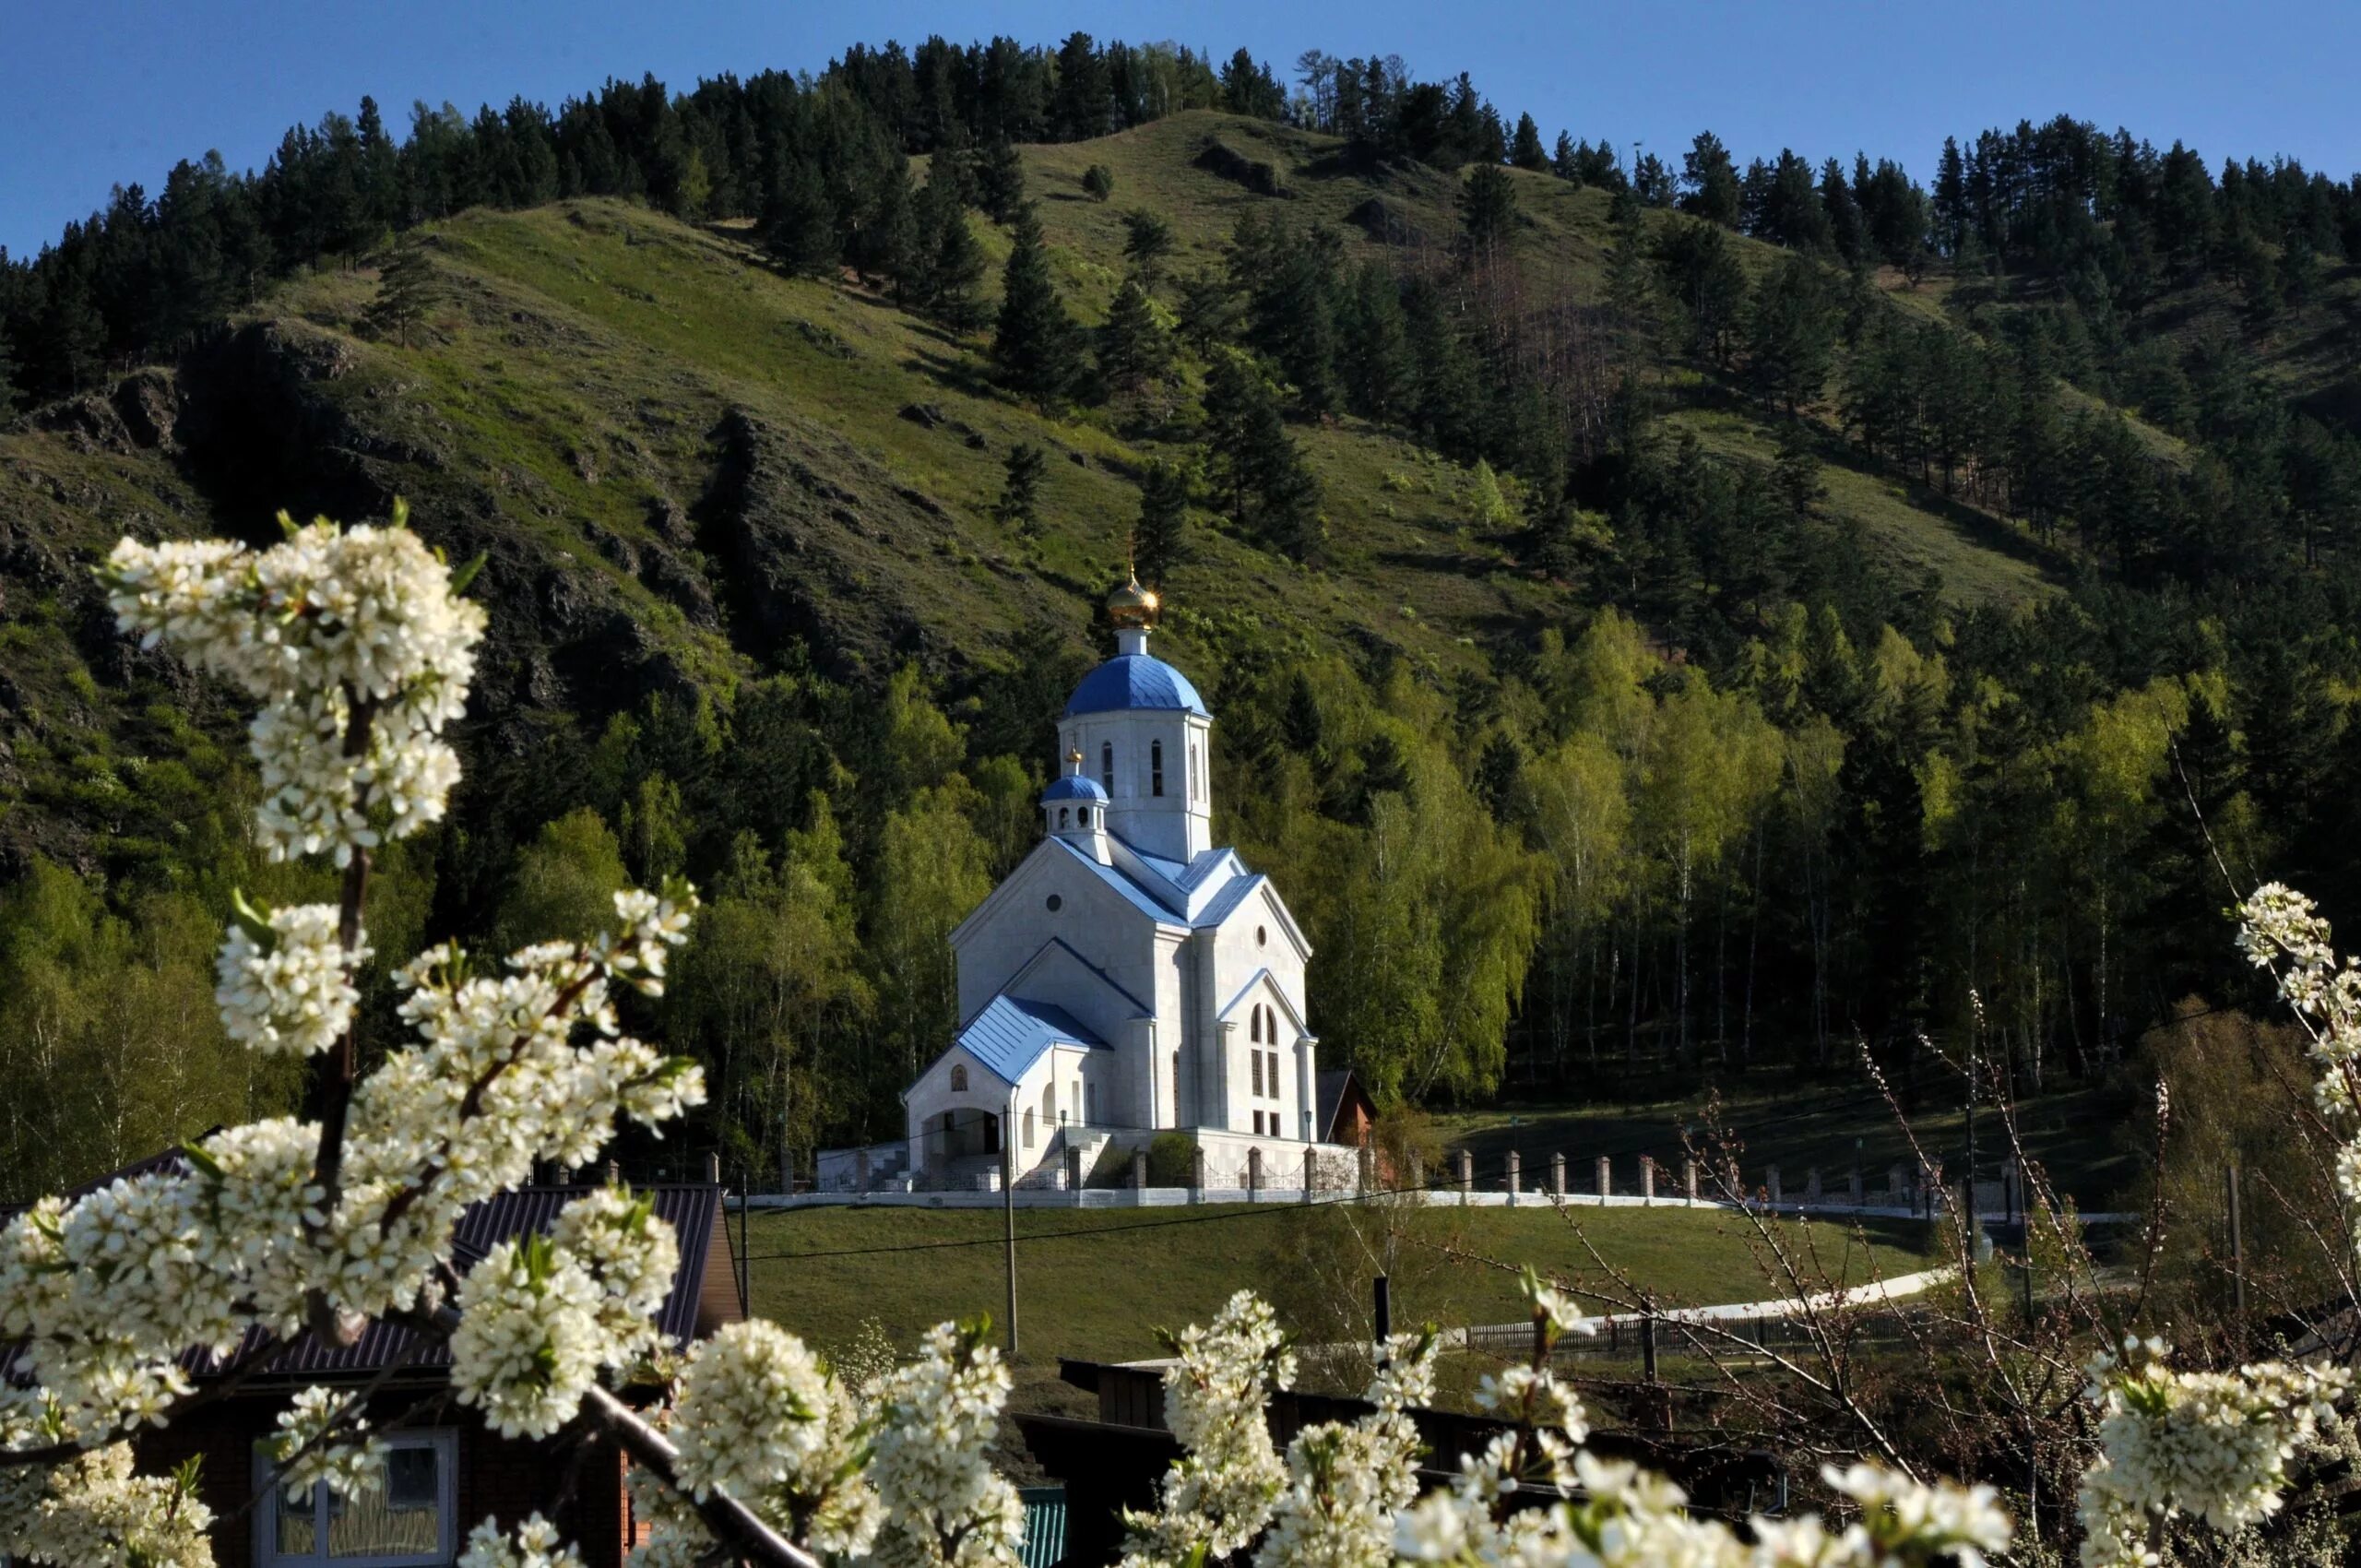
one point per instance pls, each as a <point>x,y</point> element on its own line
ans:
<point>1487,209</point>
<point>1148,241</point>
<point>1269,485</point>
<point>1134,350</point>
<point>1034,347</point>
<point>1161,541</point>
<point>1630,282</point>
<point>1000,182</point>
<point>1524,151</point>
<point>1020,491</point>
<point>1565,161</point>
<point>8,378</point>
<point>406,290</point>
<point>1710,179</point>
<point>1791,334</point>
<point>799,220</point>
<point>1098,181</point>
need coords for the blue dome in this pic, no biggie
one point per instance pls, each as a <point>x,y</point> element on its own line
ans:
<point>1074,787</point>
<point>1134,680</point>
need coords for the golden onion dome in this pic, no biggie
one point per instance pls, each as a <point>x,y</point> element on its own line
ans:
<point>1132,607</point>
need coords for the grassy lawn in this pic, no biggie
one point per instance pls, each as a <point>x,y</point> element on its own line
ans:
<point>1096,1284</point>
<point>2081,1137</point>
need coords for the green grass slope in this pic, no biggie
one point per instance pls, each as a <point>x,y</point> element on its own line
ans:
<point>1098,1283</point>
<point>685,465</point>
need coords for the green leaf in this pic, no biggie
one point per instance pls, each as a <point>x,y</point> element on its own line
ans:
<point>255,922</point>
<point>467,574</point>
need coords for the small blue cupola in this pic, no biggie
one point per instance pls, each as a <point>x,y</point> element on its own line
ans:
<point>1074,808</point>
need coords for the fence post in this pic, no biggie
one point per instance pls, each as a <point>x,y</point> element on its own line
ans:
<point>1365,1166</point>
<point>1558,1175</point>
<point>1310,1172</point>
<point>1073,1167</point>
<point>1811,1185</point>
<point>1516,1174</point>
<point>1648,1179</point>
<point>1254,1174</point>
<point>1606,1177</point>
<point>1139,1171</point>
<point>1771,1183</point>
<point>1466,1174</point>
<point>859,1170</point>
<point>1856,1191</point>
<point>1688,1180</point>
<point>1897,1185</point>
<point>1197,1174</point>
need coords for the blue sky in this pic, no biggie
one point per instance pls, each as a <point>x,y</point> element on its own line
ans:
<point>94,93</point>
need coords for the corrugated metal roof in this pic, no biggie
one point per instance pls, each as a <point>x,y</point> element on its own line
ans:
<point>692,1210</point>
<point>1074,787</point>
<point>1010,1034</point>
<point>1134,681</point>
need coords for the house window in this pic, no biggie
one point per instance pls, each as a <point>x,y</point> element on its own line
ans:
<point>1156,768</point>
<point>958,1078</point>
<point>408,1518</point>
<point>1107,765</point>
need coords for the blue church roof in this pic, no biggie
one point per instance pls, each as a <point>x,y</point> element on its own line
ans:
<point>1010,1034</point>
<point>1134,680</point>
<point>1074,787</point>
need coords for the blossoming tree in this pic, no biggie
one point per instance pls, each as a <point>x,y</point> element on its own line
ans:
<point>358,647</point>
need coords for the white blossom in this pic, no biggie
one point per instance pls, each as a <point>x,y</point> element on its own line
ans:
<point>534,1544</point>
<point>320,1444</point>
<point>291,992</point>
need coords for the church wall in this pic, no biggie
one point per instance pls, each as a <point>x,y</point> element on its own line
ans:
<point>1237,956</point>
<point>1107,932</point>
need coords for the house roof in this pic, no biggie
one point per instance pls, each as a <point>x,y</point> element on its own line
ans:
<point>1134,680</point>
<point>1010,1034</point>
<point>693,1210</point>
<point>1332,1091</point>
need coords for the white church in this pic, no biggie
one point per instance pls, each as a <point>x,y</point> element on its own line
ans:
<point>1130,976</point>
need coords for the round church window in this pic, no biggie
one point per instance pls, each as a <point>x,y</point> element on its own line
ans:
<point>1056,903</point>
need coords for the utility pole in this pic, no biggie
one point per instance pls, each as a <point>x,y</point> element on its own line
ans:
<point>2237,1245</point>
<point>1974,1226</point>
<point>1008,1216</point>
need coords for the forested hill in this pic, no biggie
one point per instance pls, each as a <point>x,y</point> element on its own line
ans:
<point>1675,621</point>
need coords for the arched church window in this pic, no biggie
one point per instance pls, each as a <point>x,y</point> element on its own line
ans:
<point>1082,816</point>
<point>1156,768</point>
<point>1028,1127</point>
<point>1061,816</point>
<point>1107,765</point>
<point>1256,1057</point>
<point>1254,1025</point>
<point>958,1078</point>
